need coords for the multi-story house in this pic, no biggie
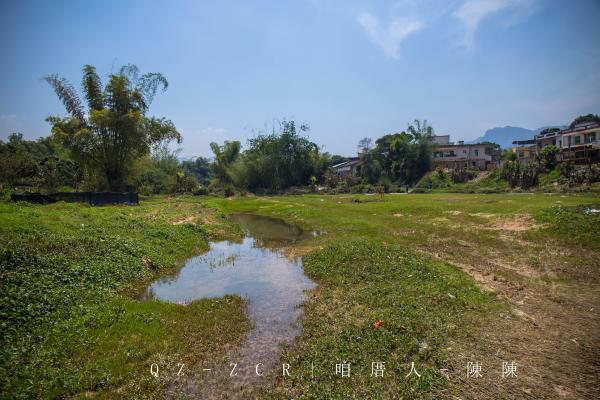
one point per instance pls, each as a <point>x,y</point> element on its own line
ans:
<point>549,138</point>
<point>581,143</point>
<point>461,155</point>
<point>525,150</point>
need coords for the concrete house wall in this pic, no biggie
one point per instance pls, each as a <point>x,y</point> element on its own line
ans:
<point>462,156</point>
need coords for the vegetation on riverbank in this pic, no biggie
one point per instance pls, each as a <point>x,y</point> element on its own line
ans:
<point>69,277</point>
<point>563,178</point>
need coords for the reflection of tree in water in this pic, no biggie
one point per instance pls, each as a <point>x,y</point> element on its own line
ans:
<point>267,231</point>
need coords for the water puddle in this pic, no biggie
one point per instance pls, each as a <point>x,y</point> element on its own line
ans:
<point>257,270</point>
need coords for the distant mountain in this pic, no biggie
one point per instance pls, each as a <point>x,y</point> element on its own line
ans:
<point>504,136</point>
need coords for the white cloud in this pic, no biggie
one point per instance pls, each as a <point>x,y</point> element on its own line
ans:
<point>213,131</point>
<point>472,12</point>
<point>389,39</point>
<point>8,117</point>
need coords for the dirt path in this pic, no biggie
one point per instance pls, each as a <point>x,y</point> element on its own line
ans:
<point>551,330</point>
<point>480,176</point>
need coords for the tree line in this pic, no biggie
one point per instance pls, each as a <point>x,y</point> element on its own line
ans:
<point>108,141</point>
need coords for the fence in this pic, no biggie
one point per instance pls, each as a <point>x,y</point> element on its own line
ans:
<point>93,198</point>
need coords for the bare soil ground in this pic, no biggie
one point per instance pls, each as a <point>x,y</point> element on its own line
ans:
<point>551,332</point>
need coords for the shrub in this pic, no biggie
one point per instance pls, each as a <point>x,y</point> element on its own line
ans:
<point>547,157</point>
<point>228,190</point>
<point>577,175</point>
<point>200,191</point>
<point>463,175</point>
<point>518,175</point>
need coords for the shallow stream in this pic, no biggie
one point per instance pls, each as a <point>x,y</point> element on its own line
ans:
<point>257,270</point>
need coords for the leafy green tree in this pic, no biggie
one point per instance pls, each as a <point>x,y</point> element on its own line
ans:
<point>511,171</point>
<point>529,176</point>
<point>115,131</point>
<point>166,159</point>
<point>18,166</point>
<point>547,157</point>
<point>224,157</point>
<point>396,154</point>
<point>161,172</point>
<point>278,160</point>
<point>185,183</point>
<point>585,118</point>
<point>422,133</point>
<point>199,168</point>
<point>321,163</point>
<point>401,157</point>
<point>420,129</point>
<point>37,164</point>
<point>509,155</point>
<point>493,149</point>
<point>370,167</point>
<point>517,174</point>
<point>54,173</point>
<point>549,130</point>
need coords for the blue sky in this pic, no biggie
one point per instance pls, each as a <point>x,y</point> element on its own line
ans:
<point>349,68</point>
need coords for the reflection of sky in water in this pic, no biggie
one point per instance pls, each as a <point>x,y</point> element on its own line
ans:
<point>261,275</point>
<point>256,270</point>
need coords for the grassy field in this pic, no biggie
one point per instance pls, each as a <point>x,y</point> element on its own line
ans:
<point>447,273</point>
<point>457,278</point>
<point>478,226</point>
<point>71,325</point>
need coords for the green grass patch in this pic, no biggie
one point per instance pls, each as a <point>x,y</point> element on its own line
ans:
<point>576,226</point>
<point>69,276</point>
<point>424,305</point>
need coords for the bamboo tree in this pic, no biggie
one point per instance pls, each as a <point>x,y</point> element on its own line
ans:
<point>115,131</point>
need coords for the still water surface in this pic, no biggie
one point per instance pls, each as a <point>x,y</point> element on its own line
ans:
<point>257,270</point>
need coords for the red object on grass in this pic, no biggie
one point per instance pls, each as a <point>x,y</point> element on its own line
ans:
<point>377,324</point>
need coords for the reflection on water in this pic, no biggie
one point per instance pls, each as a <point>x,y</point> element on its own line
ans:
<point>257,270</point>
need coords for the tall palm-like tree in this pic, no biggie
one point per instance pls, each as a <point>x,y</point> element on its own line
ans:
<point>115,131</point>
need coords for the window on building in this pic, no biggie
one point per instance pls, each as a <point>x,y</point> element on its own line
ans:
<point>476,152</point>
<point>521,154</point>
<point>577,139</point>
<point>590,137</point>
